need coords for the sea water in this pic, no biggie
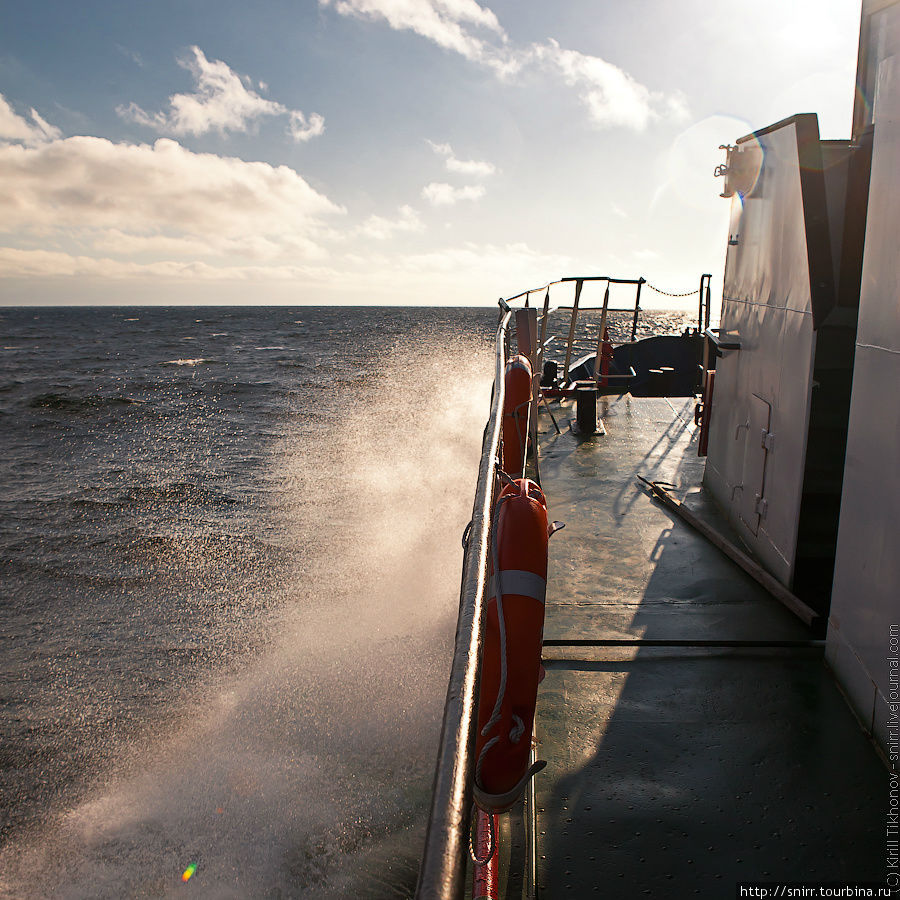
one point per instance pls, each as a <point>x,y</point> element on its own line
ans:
<point>229,574</point>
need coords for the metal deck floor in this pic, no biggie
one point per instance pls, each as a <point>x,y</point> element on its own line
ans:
<point>681,771</point>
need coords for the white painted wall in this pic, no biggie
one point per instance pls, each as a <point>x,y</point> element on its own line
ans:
<point>866,596</point>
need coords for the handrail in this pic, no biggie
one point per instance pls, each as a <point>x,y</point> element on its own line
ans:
<point>607,278</point>
<point>569,278</point>
<point>443,868</point>
<point>627,309</point>
<point>638,282</point>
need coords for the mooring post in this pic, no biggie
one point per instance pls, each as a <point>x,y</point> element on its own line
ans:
<point>586,406</point>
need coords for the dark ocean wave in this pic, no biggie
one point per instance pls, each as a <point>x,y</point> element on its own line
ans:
<point>197,611</point>
<point>70,574</point>
<point>76,403</point>
<point>189,362</point>
<point>175,492</point>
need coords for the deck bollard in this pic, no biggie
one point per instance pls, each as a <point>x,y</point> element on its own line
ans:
<point>666,381</point>
<point>586,406</point>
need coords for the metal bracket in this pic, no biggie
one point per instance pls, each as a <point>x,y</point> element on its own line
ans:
<point>767,440</point>
<point>762,506</point>
<point>721,344</point>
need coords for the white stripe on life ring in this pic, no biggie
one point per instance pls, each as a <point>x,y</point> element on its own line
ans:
<point>522,583</point>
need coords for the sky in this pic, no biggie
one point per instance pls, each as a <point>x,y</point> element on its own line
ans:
<point>387,151</point>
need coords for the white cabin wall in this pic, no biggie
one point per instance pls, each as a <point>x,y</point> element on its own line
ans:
<point>866,595</point>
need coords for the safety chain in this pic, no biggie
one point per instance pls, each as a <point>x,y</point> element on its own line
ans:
<point>667,294</point>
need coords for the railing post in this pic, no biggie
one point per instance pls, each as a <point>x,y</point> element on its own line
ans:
<point>637,308</point>
<point>708,301</point>
<point>599,357</point>
<point>526,335</point>
<point>700,311</point>
<point>543,337</point>
<point>579,284</point>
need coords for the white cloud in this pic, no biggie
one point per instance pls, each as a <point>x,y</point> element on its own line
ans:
<point>250,246</point>
<point>451,24</point>
<point>611,95</point>
<point>302,129</point>
<point>14,128</point>
<point>440,194</point>
<point>457,275</point>
<point>467,273</point>
<point>17,263</point>
<point>379,228</point>
<point>474,168</point>
<point>223,101</point>
<point>143,199</point>
<point>133,55</point>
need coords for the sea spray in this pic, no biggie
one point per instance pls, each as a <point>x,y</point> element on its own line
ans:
<point>306,772</point>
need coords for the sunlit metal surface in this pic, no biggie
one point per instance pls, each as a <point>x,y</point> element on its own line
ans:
<point>867,567</point>
<point>768,309</point>
<point>442,874</point>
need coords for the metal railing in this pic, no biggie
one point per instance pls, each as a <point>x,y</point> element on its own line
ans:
<point>703,313</point>
<point>443,868</point>
<point>442,873</point>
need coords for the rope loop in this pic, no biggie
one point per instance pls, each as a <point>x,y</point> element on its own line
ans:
<point>466,533</point>
<point>472,853</point>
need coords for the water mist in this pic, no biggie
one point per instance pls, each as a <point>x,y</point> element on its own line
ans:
<point>306,771</point>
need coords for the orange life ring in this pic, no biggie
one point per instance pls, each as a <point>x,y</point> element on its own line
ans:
<point>511,654</point>
<point>518,380</point>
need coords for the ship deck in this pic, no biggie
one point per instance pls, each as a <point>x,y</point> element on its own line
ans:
<point>679,770</point>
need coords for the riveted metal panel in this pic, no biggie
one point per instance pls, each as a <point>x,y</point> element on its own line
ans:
<point>768,305</point>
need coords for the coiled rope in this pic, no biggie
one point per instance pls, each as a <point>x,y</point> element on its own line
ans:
<point>475,858</point>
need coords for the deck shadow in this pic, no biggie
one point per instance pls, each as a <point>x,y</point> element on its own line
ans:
<point>678,773</point>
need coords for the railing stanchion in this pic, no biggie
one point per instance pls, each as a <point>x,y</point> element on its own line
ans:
<point>637,308</point>
<point>579,284</point>
<point>598,359</point>
<point>708,300</point>
<point>543,337</point>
